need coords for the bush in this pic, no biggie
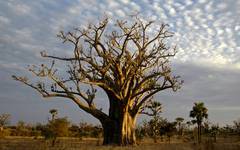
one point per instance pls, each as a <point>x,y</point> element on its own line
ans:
<point>56,128</point>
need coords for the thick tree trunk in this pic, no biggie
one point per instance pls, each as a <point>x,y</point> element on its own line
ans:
<point>119,128</point>
<point>119,132</point>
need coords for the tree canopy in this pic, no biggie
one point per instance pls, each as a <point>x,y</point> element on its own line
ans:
<point>129,61</point>
<point>199,112</point>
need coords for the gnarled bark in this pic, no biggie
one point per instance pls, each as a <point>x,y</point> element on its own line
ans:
<point>120,131</point>
<point>119,127</point>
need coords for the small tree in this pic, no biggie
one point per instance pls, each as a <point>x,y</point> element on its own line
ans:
<point>21,128</point>
<point>141,132</point>
<point>162,123</point>
<point>4,120</point>
<point>153,109</point>
<point>214,131</point>
<point>154,129</point>
<point>89,130</point>
<point>227,130</point>
<point>179,121</point>
<point>56,128</point>
<point>199,113</point>
<point>59,127</point>
<point>54,113</point>
<point>169,128</point>
<point>236,126</point>
<point>130,63</point>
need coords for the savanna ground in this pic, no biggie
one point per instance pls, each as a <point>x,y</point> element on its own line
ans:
<point>21,143</point>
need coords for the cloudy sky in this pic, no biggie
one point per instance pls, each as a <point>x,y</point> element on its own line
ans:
<point>207,33</point>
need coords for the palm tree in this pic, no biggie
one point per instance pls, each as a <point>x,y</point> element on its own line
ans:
<point>53,112</point>
<point>199,112</point>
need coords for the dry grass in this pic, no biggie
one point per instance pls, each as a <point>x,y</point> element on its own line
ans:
<point>94,144</point>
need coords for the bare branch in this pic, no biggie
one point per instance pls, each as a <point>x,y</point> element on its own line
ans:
<point>130,63</point>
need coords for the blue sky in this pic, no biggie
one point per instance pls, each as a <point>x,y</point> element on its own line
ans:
<point>207,33</point>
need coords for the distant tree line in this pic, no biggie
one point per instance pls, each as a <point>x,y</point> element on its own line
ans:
<point>157,128</point>
<point>164,130</point>
<point>55,127</point>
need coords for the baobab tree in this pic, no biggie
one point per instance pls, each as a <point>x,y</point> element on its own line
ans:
<point>199,112</point>
<point>129,61</point>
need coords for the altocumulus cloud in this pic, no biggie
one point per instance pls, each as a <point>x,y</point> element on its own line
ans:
<point>207,34</point>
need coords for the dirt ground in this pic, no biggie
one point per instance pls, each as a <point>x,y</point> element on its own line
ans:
<point>20,143</point>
